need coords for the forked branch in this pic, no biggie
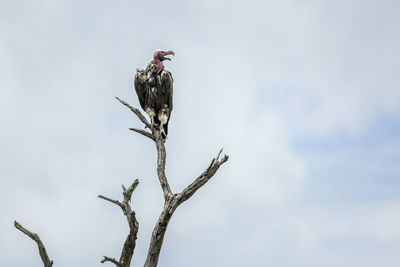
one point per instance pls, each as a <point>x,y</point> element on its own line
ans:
<point>172,201</point>
<point>130,242</point>
<point>203,178</point>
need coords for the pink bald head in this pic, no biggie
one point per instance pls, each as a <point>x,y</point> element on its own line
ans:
<point>159,56</point>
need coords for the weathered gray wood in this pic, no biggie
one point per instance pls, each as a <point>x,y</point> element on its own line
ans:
<point>161,161</point>
<point>130,241</point>
<point>112,260</point>
<point>171,200</point>
<point>143,132</point>
<point>42,250</point>
<point>136,111</point>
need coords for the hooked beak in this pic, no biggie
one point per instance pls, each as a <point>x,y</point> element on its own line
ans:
<point>170,52</point>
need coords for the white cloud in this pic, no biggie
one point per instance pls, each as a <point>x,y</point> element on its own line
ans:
<point>248,77</point>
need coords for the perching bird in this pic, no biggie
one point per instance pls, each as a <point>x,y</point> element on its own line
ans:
<point>154,88</point>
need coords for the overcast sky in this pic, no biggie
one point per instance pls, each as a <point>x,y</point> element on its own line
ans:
<point>304,96</point>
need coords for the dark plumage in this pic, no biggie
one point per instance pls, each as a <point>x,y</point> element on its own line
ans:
<point>154,88</point>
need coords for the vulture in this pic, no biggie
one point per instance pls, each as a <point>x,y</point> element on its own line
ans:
<point>154,88</point>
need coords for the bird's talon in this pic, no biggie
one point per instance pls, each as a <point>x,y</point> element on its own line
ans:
<point>152,126</point>
<point>163,134</point>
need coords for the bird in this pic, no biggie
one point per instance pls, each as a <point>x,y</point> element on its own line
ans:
<point>154,88</point>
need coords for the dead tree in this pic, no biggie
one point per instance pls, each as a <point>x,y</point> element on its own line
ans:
<point>171,202</point>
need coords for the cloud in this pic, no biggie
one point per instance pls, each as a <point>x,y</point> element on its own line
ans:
<point>259,78</point>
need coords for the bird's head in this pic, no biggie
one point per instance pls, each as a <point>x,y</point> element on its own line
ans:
<point>161,55</point>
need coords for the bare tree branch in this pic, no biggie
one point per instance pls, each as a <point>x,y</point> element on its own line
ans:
<point>143,132</point>
<point>161,161</point>
<point>157,236</point>
<point>130,242</point>
<point>110,260</point>
<point>42,250</point>
<point>172,201</point>
<point>170,206</point>
<point>136,111</point>
<point>161,158</point>
<point>202,179</point>
<point>116,202</point>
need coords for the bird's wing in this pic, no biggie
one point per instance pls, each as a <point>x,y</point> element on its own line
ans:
<point>168,82</point>
<point>140,87</point>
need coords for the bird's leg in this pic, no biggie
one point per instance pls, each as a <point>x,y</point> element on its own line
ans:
<point>151,114</point>
<point>163,118</point>
<point>162,132</point>
<point>151,123</point>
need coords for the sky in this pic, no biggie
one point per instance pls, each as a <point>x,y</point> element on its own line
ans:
<point>304,97</point>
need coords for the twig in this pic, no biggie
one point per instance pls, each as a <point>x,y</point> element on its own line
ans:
<point>143,132</point>
<point>110,260</point>
<point>136,111</point>
<point>42,250</point>
<point>219,153</point>
<point>116,202</point>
